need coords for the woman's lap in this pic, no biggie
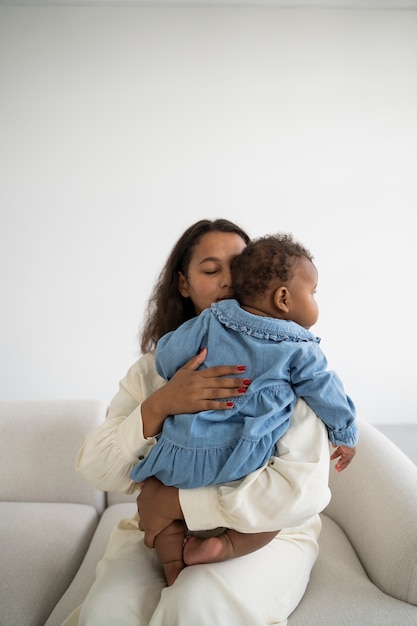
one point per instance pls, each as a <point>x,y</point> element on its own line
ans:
<point>258,589</point>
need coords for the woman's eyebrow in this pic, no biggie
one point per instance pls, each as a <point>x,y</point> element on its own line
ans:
<point>209,258</point>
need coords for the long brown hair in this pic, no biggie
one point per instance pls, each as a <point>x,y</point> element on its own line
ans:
<point>167,308</point>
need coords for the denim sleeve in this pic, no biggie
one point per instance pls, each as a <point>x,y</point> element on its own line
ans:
<point>323,390</point>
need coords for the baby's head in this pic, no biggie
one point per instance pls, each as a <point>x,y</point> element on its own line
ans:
<point>278,273</point>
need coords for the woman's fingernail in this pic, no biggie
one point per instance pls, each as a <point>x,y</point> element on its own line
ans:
<point>229,404</point>
<point>246,381</point>
<point>241,390</point>
<point>241,368</point>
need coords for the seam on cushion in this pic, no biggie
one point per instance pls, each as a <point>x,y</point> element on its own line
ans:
<point>412,584</point>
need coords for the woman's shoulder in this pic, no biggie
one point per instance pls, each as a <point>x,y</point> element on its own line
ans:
<point>145,362</point>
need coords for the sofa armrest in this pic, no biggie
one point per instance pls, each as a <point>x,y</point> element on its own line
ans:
<point>375,502</point>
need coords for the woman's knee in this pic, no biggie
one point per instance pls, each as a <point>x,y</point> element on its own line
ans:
<point>125,592</point>
<point>201,595</point>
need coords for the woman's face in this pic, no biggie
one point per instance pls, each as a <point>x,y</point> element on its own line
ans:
<point>208,277</point>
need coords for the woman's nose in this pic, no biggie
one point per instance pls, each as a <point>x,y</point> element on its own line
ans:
<point>226,279</point>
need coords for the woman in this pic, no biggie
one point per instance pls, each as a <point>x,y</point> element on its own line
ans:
<point>257,589</point>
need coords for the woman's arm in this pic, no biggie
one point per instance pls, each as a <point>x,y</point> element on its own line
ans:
<point>288,491</point>
<point>111,450</point>
<point>137,412</point>
<point>291,489</point>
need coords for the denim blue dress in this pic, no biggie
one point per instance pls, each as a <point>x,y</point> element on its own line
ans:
<point>284,362</point>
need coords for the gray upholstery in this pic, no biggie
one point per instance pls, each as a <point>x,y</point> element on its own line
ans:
<point>48,514</point>
<point>39,441</point>
<point>366,573</point>
<point>341,594</point>
<point>375,503</point>
<point>42,547</point>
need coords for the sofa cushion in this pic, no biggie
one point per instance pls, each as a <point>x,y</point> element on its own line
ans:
<point>39,441</point>
<point>43,545</point>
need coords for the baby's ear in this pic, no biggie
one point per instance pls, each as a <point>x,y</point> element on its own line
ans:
<point>282,299</point>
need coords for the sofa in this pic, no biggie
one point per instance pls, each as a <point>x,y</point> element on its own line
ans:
<point>54,526</point>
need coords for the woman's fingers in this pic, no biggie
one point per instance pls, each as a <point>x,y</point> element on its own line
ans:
<point>217,371</point>
<point>191,390</point>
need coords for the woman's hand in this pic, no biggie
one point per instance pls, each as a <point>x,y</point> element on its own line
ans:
<point>191,390</point>
<point>158,506</point>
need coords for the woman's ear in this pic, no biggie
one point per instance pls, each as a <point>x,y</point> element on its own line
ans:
<point>183,285</point>
<point>282,299</point>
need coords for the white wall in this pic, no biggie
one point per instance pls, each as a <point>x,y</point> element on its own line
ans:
<point>121,126</point>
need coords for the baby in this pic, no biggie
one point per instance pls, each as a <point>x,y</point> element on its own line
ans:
<point>266,327</point>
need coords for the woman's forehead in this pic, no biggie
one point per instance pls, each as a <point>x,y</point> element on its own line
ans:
<point>217,246</point>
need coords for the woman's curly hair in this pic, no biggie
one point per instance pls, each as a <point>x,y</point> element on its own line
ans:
<point>264,260</point>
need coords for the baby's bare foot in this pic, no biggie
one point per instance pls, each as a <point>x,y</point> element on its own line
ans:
<point>211,550</point>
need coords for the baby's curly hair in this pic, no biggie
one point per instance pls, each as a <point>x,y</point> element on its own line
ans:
<point>264,260</point>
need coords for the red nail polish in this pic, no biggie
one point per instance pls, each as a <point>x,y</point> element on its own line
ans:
<point>229,404</point>
<point>246,381</point>
<point>241,390</point>
<point>241,368</point>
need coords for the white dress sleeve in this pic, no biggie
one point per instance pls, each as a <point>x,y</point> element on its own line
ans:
<point>111,450</point>
<point>288,491</point>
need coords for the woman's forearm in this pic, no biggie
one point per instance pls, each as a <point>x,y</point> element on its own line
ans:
<point>288,491</point>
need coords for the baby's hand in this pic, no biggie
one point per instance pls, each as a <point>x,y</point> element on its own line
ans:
<point>345,453</point>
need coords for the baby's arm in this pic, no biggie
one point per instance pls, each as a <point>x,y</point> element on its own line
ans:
<point>323,390</point>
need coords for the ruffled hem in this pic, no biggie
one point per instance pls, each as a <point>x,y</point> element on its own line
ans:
<point>188,468</point>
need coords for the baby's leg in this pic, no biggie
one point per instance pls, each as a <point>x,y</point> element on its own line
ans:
<point>228,545</point>
<point>169,547</point>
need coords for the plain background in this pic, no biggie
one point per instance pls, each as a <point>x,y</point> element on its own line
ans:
<point>120,126</point>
